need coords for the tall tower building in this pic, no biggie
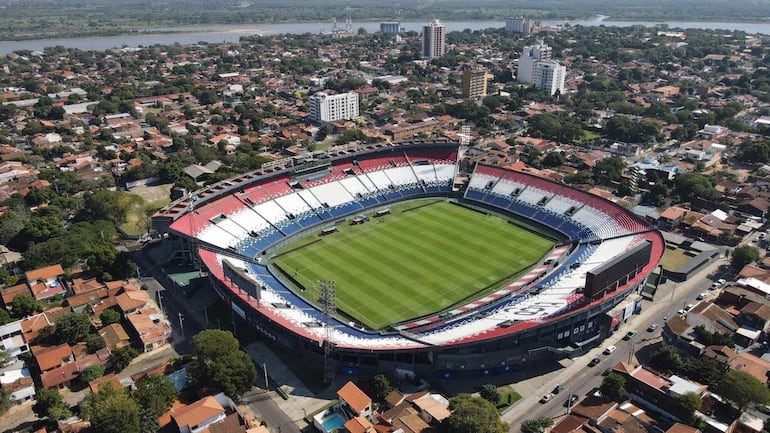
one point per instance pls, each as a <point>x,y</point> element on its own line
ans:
<point>330,108</point>
<point>549,76</point>
<point>390,27</point>
<point>520,25</point>
<point>433,40</point>
<point>529,56</point>
<point>475,82</point>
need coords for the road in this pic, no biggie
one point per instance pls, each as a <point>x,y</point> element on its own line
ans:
<point>580,379</point>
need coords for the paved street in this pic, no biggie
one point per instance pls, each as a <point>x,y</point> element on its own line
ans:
<point>578,378</point>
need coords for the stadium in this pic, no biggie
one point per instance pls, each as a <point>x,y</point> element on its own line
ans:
<point>398,256</point>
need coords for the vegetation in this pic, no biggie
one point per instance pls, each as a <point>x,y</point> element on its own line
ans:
<point>91,373</point>
<point>122,357</point>
<point>490,393</point>
<point>109,316</point>
<point>379,284</point>
<point>382,386</point>
<point>743,390</point>
<point>742,256</point>
<point>111,410</point>
<point>155,393</point>
<point>473,415</point>
<point>613,386</point>
<point>536,425</point>
<point>685,407</point>
<point>73,328</point>
<point>50,404</point>
<point>220,364</point>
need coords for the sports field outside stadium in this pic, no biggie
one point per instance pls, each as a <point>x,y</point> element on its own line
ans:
<point>423,257</point>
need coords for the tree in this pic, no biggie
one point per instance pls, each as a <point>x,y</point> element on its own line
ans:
<point>685,407</point>
<point>613,386</point>
<point>156,393</point>
<point>742,256</point>
<point>5,400</point>
<point>666,359</point>
<point>693,185</point>
<point>95,342</point>
<point>73,327</point>
<point>553,159</point>
<point>536,425</point>
<point>609,169</point>
<point>473,415</point>
<point>490,393</point>
<point>25,305</point>
<point>148,421</point>
<point>109,316</point>
<point>111,410</point>
<point>91,373</point>
<point>743,390</point>
<point>702,370</point>
<point>382,386</point>
<point>220,364</point>
<point>122,357</point>
<point>50,404</point>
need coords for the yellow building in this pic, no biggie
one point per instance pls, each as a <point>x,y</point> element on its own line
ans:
<point>475,83</point>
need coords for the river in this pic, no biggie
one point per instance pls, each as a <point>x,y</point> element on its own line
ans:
<point>232,33</point>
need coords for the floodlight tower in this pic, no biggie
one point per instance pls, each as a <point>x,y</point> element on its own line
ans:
<point>328,291</point>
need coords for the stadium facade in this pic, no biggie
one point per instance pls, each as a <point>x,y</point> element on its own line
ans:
<point>578,294</point>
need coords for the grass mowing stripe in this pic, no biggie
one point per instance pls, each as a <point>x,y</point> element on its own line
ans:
<point>413,263</point>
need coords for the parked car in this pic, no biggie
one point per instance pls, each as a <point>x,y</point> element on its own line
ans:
<point>702,296</point>
<point>546,398</point>
<point>609,350</point>
<point>652,327</point>
<point>570,400</point>
<point>721,281</point>
<point>630,334</point>
<point>557,389</point>
<point>594,362</point>
<point>688,307</point>
<point>681,312</point>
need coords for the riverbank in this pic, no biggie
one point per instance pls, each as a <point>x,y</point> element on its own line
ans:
<point>230,33</point>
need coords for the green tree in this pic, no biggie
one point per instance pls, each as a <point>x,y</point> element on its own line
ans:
<point>73,327</point>
<point>473,415</point>
<point>536,425</point>
<point>5,400</point>
<point>156,393</point>
<point>220,363</point>
<point>702,370</point>
<point>95,342</point>
<point>693,185</point>
<point>742,256</point>
<point>25,305</point>
<point>5,316</point>
<point>743,390</point>
<point>666,359</point>
<point>609,169</point>
<point>613,386</point>
<point>91,373</point>
<point>382,386</point>
<point>50,404</point>
<point>553,159</point>
<point>122,357</point>
<point>109,316</point>
<point>490,393</point>
<point>148,421</point>
<point>111,410</point>
<point>685,407</point>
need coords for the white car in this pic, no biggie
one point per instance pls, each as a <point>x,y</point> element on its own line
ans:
<point>702,296</point>
<point>546,398</point>
<point>721,281</point>
<point>609,350</point>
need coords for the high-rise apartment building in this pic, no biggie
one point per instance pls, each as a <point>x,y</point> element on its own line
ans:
<point>529,56</point>
<point>330,108</point>
<point>520,25</point>
<point>433,40</point>
<point>390,27</point>
<point>549,76</point>
<point>475,83</point>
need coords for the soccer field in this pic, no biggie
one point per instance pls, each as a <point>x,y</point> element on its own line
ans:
<point>424,257</point>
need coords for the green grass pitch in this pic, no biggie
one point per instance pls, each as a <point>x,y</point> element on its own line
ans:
<point>422,258</point>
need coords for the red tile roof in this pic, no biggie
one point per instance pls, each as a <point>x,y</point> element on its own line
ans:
<point>354,397</point>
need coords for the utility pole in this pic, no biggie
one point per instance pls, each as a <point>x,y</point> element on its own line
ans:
<point>264,369</point>
<point>181,327</point>
<point>160,301</point>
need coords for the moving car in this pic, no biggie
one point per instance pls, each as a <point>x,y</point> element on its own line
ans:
<point>594,362</point>
<point>557,389</point>
<point>570,400</point>
<point>652,327</point>
<point>609,350</point>
<point>630,334</point>
<point>546,398</point>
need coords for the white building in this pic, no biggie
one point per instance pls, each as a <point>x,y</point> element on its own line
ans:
<point>520,25</point>
<point>331,108</point>
<point>530,55</point>
<point>549,76</point>
<point>433,40</point>
<point>390,27</point>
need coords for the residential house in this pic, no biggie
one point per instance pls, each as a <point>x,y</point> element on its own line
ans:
<point>16,380</point>
<point>150,328</point>
<point>115,336</point>
<point>45,283</point>
<point>352,398</point>
<point>196,417</point>
<point>10,293</point>
<point>57,365</point>
<point>12,339</point>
